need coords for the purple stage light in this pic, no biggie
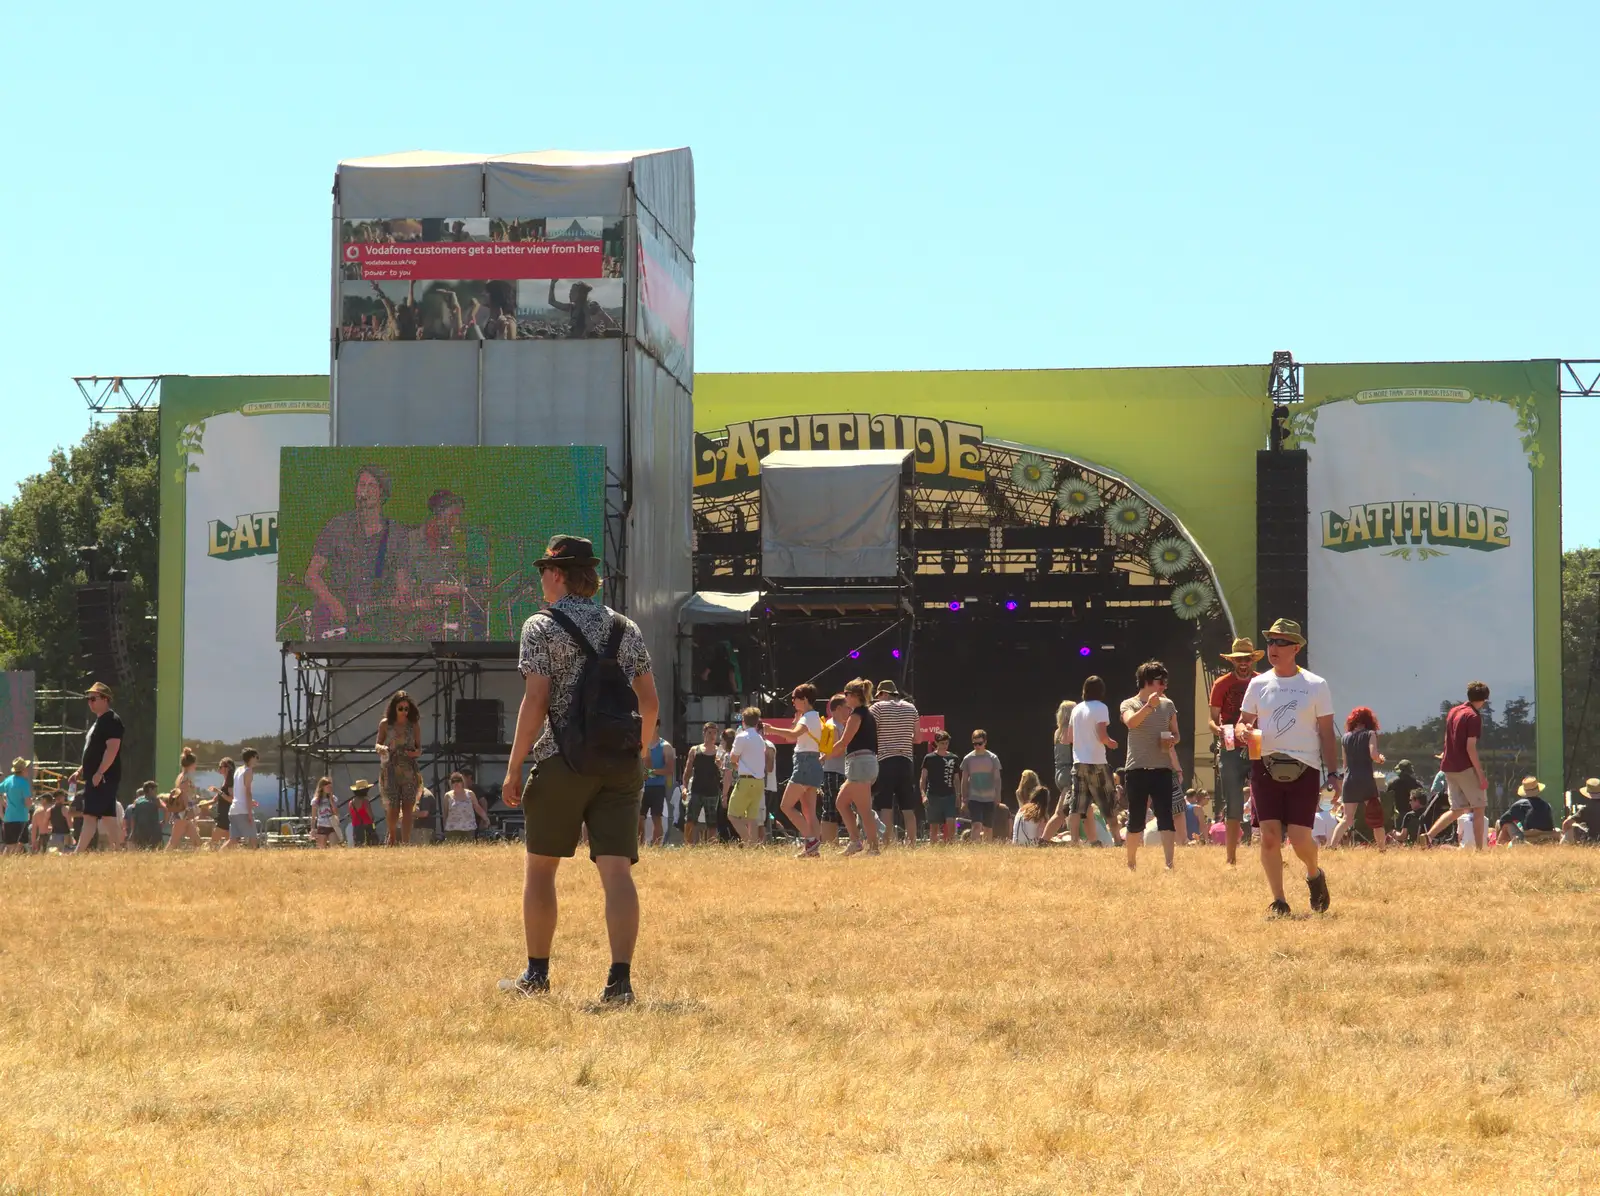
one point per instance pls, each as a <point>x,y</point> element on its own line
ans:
<point>1084,651</point>
<point>856,655</point>
<point>895,653</point>
<point>955,606</point>
<point>1011,604</point>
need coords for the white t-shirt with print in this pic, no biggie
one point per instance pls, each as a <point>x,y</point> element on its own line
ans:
<point>750,753</point>
<point>1086,745</point>
<point>1286,710</point>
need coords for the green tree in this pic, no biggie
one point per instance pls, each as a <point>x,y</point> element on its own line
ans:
<point>103,491</point>
<point>1580,607</point>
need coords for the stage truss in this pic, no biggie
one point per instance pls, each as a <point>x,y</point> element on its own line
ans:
<point>1042,531</point>
<point>317,731</point>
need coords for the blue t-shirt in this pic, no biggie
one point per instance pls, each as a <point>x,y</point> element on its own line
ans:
<point>658,759</point>
<point>19,792</point>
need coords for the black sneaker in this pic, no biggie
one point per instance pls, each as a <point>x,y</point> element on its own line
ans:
<point>1279,909</point>
<point>526,985</point>
<point>619,992</point>
<point>1318,885</point>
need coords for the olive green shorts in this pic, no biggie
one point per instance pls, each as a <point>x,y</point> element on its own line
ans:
<point>559,803</point>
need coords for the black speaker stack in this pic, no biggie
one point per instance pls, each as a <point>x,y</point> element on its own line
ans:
<point>480,722</point>
<point>1281,538</point>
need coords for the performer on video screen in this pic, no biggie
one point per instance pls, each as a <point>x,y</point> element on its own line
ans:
<point>359,575</point>
<point>450,571</point>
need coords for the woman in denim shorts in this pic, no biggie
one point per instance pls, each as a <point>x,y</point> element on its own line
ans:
<point>800,794</point>
<point>859,747</point>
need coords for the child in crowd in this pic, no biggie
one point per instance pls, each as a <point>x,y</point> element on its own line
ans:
<point>361,824</point>
<point>324,814</point>
<point>39,825</point>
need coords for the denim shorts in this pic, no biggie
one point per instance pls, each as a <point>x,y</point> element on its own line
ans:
<point>807,769</point>
<point>862,767</point>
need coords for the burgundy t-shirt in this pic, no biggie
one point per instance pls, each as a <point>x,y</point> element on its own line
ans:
<point>1462,724</point>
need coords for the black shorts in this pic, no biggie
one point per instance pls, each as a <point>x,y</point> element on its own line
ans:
<point>654,800</point>
<point>100,801</point>
<point>896,786</point>
<point>828,796</point>
<point>14,832</point>
<point>981,813</point>
<point>1152,788</point>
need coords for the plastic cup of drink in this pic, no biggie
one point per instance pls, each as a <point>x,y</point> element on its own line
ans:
<point>1255,743</point>
<point>1227,738</point>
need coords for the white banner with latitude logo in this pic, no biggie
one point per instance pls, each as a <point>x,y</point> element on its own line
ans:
<point>1420,559</point>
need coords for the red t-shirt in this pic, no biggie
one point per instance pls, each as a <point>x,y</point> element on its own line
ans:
<point>1462,724</point>
<point>1227,695</point>
<point>360,814</point>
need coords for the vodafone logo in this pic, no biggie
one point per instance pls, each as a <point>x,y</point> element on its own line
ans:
<point>352,253</point>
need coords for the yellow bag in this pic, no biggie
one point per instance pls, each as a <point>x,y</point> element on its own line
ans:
<point>825,744</point>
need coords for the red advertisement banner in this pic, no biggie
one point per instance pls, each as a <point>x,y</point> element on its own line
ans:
<point>484,260</point>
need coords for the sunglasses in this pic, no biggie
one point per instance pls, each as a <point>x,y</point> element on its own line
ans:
<point>1282,644</point>
<point>979,742</point>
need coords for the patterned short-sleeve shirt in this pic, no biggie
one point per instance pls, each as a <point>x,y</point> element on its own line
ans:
<point>547,650</point>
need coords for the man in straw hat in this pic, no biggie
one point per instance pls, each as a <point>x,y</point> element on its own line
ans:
<point>1233,763</point>
<point>1291,711</point>
<point>101,769</point>
<point>1463,771</point>
<point>1582,825</point>
<point>564,796</point>
<point>1529,817</point>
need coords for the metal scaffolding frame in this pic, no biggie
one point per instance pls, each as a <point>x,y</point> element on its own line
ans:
<point>317,731</point>
<point>120,393</point>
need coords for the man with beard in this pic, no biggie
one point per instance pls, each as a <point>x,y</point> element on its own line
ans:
<point>1233,763</point>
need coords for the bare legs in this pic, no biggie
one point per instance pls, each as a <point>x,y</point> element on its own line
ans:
<point>1272,853</point>
<point>91,827</point>
<point>1480,826</point>
<point>800,807</point>
<point>539,905</point>
<point>1347,823</point>
<point>855,805</point>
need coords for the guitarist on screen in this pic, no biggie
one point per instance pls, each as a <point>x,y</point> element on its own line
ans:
<point>359,573</point>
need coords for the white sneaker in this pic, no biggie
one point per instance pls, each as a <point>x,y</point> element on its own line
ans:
<point>856,848</point>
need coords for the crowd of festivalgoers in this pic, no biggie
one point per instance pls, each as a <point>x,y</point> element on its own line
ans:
<point>862,776</point>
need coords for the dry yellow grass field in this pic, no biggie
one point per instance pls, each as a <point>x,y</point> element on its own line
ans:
<point>975,1019</point>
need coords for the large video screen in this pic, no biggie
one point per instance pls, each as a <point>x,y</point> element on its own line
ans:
<point>408,545</point>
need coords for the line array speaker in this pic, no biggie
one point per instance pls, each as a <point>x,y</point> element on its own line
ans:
<point>1281,537</point>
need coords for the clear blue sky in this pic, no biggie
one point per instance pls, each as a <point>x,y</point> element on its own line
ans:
<point>1117,185</point>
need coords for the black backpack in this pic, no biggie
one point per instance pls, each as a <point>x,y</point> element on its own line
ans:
<point>602,732</point>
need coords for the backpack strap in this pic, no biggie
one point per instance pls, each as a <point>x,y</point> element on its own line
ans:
<point>618,630</point>
<point>571,629</point>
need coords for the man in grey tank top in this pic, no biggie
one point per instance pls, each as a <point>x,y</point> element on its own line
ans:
<point>1152,721</point>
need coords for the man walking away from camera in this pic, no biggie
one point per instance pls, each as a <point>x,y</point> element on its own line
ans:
<point>589,697</point>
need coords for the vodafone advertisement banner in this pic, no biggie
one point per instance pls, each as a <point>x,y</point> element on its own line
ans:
<point>1421,554</point>
<point>480,278</point>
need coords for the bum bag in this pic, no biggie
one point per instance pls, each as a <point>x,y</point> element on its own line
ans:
<point>1284,769</point>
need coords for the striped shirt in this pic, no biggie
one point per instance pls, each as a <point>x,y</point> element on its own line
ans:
<point>897,727</point>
